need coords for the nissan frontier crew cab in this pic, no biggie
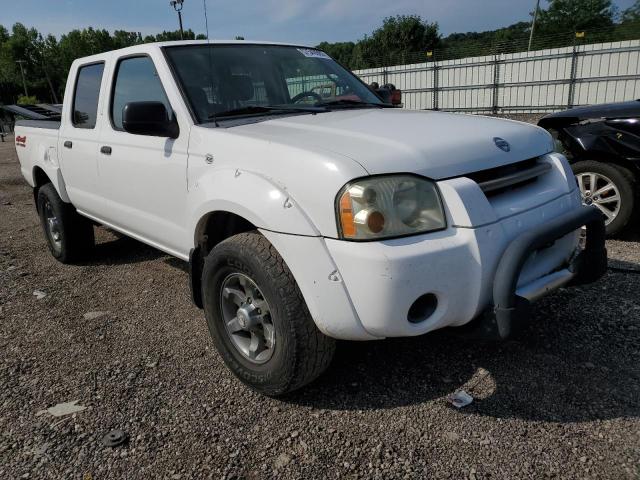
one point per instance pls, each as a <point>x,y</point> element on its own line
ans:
<point>307,214</point>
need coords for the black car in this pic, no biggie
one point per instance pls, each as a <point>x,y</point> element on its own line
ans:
<point>602,143</point>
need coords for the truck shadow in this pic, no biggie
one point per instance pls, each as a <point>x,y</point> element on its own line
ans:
<point>113,248</point>
<point>577,361</point>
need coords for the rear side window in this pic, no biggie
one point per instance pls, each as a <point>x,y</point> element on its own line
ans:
<point>136,80</point>
<point>85,98</point>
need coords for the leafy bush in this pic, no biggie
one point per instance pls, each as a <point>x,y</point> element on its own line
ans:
<point>30,100</point>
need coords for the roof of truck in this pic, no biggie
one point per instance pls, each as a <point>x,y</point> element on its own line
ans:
<point>222,42</point>
<point>146,47</point>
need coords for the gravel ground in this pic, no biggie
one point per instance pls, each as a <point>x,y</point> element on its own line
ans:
<point>561,401</point>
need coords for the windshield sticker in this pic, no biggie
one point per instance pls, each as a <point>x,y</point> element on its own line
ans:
<point>311,53</point>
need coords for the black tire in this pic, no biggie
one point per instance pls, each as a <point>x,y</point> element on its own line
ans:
<point>76,237</point>
<point>301,352</point>
<point>624,182</point>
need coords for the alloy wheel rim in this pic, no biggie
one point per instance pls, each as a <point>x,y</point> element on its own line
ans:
<point>53,225</point>
<point>247,318</point>
<point>600,191</point>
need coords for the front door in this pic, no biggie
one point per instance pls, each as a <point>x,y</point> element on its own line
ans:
<point>143,178</point>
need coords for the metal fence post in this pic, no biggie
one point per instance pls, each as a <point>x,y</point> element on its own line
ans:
<point>436,79</point>
<point>384,77</point>
<point>572,78</point>
<point>496,84</point>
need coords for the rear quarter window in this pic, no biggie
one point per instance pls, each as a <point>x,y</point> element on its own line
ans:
<point>86,95</point>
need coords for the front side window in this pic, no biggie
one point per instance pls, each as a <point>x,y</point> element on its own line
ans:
<point>85,97</point>
<point>136,80</point>
<point>222,80</point>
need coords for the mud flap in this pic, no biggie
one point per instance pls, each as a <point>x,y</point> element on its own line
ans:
<point>195,276</point>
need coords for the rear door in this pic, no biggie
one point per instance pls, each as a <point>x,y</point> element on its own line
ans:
<point>79,137</point>
<point>143,178</point>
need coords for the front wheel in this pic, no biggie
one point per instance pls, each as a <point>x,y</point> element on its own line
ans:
<point>609,188</point>
<point>258,319</point>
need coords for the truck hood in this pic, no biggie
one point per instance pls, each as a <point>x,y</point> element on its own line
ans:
<point>433,144</point>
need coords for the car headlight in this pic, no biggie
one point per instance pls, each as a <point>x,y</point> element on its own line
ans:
<point>389,206</point>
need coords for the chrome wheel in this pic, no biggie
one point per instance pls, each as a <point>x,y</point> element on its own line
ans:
<point>247,318</point>
<point>52,223</point>
<point>600,191</point>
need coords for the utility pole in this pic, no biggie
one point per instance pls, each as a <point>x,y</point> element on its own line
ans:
<point>533,23</point>
<point>54,97</point>
<point>177,6</point>
<point>24,81</point>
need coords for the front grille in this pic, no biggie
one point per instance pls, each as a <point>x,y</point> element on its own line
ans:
<point>495,181</point>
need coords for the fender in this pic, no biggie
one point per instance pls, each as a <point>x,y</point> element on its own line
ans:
<point>602,139</point>
<point>258,199</point>
<point>49,164</point>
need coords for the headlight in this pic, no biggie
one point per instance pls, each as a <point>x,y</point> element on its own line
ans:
<point>389,206</point>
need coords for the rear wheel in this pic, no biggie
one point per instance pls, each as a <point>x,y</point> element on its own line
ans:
<point>609,188</point>
<point>258,319</point>
<point>69,235</point>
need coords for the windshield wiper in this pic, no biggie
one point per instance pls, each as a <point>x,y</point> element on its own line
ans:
<point>269,109</point>
<point>352,103</point>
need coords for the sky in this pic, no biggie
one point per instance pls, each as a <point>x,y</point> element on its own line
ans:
<point>297,21</point>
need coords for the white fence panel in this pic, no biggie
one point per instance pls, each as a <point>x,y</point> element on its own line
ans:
<point>540,81</point>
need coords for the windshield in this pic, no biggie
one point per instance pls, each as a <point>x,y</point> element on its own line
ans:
<point>225,80</point>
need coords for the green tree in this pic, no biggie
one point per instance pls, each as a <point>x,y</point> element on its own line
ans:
<point>341,51</point>
<point>576,15</point>
<point>82,43</point>
<point>123,39</point>
<point>460,45</point>
<point>395,42</point>
<point>50,71</point>
<point>399,36</point>
<point>174,35</point>
<point>21,46</point>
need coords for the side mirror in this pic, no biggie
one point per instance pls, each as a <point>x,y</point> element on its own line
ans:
<point>149,118</point>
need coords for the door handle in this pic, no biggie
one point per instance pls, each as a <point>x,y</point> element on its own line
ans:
<point>68,144</point>
<point>106,150</point>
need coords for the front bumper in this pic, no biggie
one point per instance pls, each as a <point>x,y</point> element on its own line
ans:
<point>460,267</point>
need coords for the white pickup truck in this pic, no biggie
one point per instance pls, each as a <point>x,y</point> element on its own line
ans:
<point>308,210</point>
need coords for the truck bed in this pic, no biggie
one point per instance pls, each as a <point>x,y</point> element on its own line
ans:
<point>49,124</point>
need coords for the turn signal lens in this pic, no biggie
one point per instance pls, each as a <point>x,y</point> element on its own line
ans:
<point>389,206</point>
<point>346,216</point>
